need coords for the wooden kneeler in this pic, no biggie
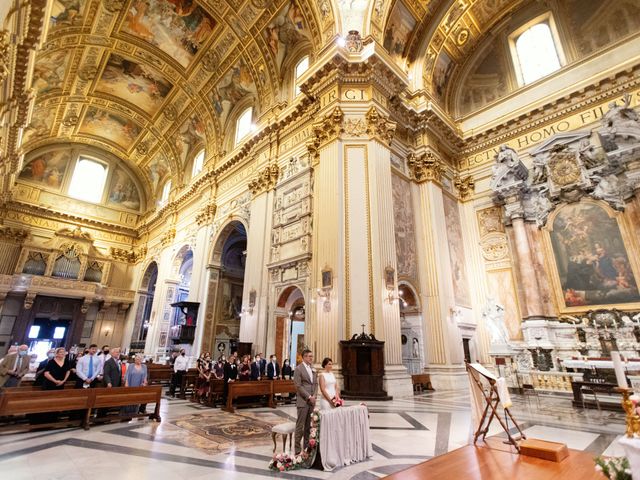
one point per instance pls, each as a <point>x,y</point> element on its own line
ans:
<point>492,402</point>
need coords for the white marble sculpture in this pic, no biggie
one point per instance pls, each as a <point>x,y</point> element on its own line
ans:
<point>493,315</point>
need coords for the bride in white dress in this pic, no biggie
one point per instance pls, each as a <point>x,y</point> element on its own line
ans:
<point>328,387</point>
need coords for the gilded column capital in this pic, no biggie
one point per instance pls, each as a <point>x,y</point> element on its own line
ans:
<point>379,125</point>
<point>323,131</point>
<point>425,168</point>
<point>266,179</point>
<point>168,237</point>
<point>16,235</point>
<point>206,214</point>
<point>128,256</point>
<point>465,186</point>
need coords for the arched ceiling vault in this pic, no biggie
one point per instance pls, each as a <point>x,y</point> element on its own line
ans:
<point>152,81</point>
<point>439,35</point>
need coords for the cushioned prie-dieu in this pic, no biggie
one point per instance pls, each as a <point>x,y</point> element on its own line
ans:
<point>284,428</point>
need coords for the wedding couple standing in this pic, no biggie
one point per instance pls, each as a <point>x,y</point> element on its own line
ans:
<point>307,381</point>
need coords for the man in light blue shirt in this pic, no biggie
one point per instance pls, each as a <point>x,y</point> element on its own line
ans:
<point>89,369</point>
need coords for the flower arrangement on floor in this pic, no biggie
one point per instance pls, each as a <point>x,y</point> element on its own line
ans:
<point>614,468</point>
<point>282,462</point>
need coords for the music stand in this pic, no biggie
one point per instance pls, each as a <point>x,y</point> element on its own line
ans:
<point>492,400</point>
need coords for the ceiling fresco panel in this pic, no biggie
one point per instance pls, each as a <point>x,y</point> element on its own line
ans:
<point>236,85</point>
<point>134,82</point>
<point>286,31</point>
<point>177,27</point>
<point>67,12</point>
<point>49,71</point>
<point>112,127</point>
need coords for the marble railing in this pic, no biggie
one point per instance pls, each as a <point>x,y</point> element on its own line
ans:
<point>549,381</point>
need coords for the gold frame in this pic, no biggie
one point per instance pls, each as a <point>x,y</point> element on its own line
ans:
<point>552,268</point>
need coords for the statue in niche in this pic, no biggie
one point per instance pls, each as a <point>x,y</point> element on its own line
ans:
<point>493,316</point>
<point>415,348</point>
<point>622,120</point>
<point>539,171</point>
<point>588,154</point>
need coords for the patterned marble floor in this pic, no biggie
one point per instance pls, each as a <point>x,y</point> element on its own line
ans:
<point>404,432</point>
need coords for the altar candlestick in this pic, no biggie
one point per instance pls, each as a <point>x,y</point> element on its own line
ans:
<point>619,369</point>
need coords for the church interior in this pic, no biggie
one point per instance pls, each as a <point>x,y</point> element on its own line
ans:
<point>444,182</point>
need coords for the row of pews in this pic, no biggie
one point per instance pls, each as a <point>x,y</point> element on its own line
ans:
<point>71,406</point>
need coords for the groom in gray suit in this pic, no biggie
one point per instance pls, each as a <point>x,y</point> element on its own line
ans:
<point>306,382</point>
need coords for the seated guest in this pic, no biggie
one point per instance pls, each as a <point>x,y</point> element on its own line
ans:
<point>57,371</point>
<point>13,367</point>
<point>287,371</point>
<point>112,370</point>
<point>39,381</point>
<point>255,368</point>
<point>136,376</point>
<point>89,369</point>
<point>273,369</point>
<point>218,368</point>
<point>244,370</point>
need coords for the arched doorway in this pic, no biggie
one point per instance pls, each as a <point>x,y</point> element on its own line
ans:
<point>290,325</point>
<point>411,329</point>
<point>225,311</point>
<point>146,294</point>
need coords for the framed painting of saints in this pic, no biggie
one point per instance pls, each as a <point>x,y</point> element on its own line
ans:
<point>589,258</point>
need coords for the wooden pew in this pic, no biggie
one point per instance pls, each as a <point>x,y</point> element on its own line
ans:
<point>125,396</point>
<point>188,383</point>
<point>159,375</point>
<point>420,382</point>
<point>258,388</point>
<point>216,391</point>
<point>282,386</point>
<point>16,402</point>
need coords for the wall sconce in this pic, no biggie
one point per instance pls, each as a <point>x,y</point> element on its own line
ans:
<point>107,331</point>
<point>390,284</point>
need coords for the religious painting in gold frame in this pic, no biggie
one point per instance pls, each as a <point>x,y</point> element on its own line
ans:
<point>588,249</point>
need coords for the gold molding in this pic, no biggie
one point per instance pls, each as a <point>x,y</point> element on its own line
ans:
<point>465,186</point>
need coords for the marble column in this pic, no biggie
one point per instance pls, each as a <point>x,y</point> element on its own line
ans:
<point>528,280</point>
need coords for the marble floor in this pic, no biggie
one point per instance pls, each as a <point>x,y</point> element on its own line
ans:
<point>404,431</point>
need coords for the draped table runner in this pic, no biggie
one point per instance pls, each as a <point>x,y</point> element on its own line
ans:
<point>344,436</point>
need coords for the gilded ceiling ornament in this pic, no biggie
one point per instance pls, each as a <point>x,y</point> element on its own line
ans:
<point>425,168</point>
<point>210,61</point>
<point>170,112</point>
<point>261,3</point>
<point>142,148</point>
<point>353,42</point>
<point>113,6</point>
<point>88,72</point>
<point>4,54</point>
<point>70,120</point>
<point>465,186</point>
<point>462,36</point>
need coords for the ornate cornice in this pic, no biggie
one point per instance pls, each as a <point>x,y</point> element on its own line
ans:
<point>266,179</point>
<point>425,168</point>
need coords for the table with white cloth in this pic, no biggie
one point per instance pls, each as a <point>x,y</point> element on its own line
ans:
<point>344,436</point>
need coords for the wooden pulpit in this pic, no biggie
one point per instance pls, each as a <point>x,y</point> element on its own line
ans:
<point>363,368</point>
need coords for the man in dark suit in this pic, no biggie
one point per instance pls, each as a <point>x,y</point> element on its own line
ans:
<point>263,365</point>
<point>230,375</point>
<point>112,371</point>
<point>273,368</point>
<point>306,381</point>
<point>255,368</point>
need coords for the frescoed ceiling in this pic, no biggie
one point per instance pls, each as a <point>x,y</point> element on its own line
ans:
<point>151,80</point>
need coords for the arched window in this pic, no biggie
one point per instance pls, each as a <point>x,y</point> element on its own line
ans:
<point>243,125</point>
<point>88,180</point>
<point>166,190</point>
<point>198,163</point>
<point>301,67</point>
<point>536,52</point>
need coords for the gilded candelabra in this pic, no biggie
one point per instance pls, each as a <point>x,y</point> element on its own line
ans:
<point>630,406</point>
